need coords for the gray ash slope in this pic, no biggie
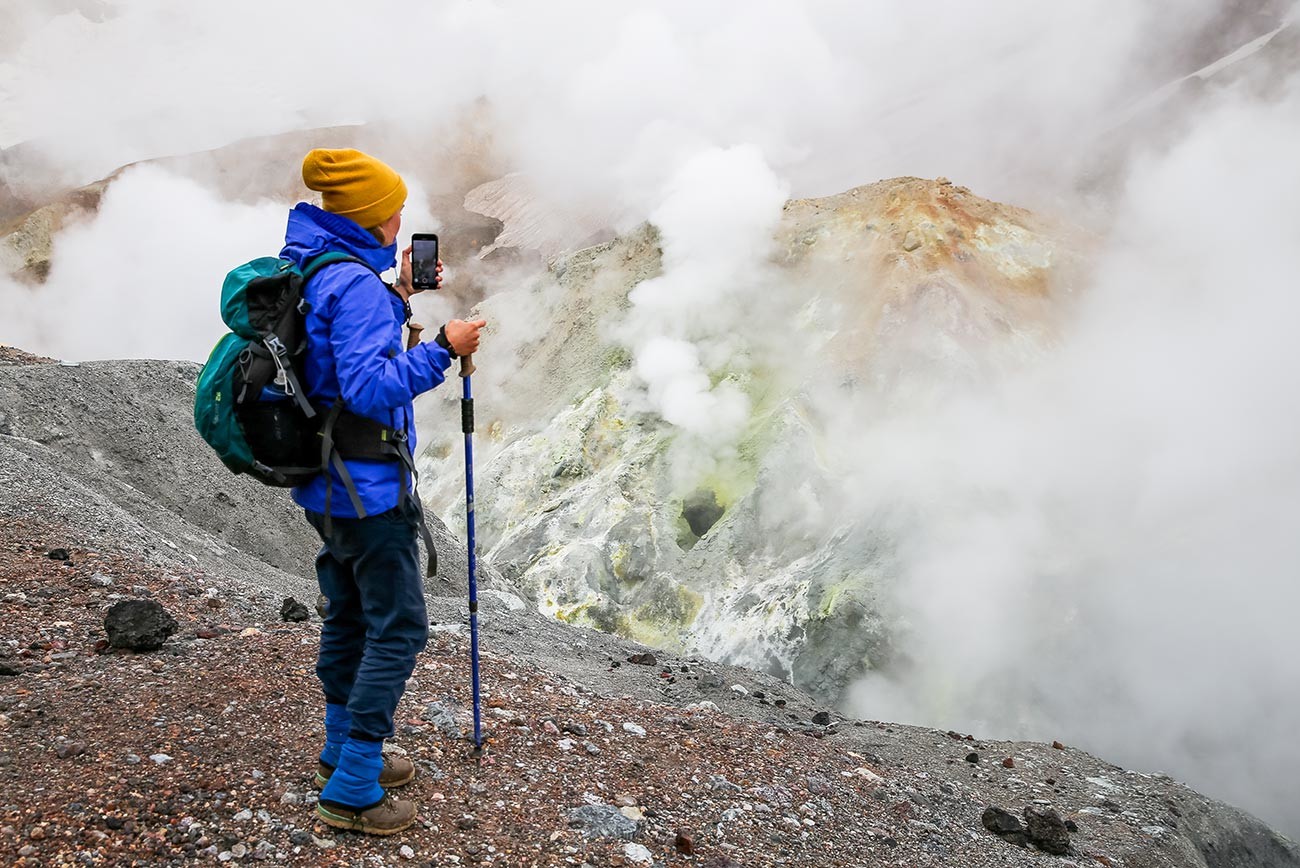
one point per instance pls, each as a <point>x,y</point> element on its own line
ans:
<point>107,449</point>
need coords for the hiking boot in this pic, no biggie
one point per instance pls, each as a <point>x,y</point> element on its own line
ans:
<point>398,772</point>
<point>388,817</point>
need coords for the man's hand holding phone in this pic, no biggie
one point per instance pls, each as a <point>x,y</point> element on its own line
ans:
<point>405,285</point>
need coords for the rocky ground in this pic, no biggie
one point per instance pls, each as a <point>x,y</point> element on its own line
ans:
<point>203,750</point>
<point>602,751</point>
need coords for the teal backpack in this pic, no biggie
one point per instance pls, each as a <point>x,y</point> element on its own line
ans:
<point>250,404</point>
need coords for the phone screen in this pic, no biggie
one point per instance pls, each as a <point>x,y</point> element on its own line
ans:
<point>424,261</point>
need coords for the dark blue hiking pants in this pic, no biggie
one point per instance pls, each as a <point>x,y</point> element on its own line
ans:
<point>376,624</point>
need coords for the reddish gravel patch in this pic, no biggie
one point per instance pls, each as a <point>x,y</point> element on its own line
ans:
<point>206,748</point>
<point>14,356</point>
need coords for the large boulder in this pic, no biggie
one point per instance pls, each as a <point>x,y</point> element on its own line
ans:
<point>139,625</point>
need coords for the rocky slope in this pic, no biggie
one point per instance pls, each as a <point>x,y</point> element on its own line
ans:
<point>601,755</point>
<point>607,515</point>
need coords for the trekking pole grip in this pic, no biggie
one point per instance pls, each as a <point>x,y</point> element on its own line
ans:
<point>467,365</point>
<point>413,335</point>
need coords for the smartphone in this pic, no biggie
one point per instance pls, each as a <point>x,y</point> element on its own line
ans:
<point>424,260</point>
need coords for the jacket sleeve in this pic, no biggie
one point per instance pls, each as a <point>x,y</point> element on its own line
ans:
<point>363,331</point>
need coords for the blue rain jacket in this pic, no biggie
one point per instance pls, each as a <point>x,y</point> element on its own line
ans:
<point>355,349</point>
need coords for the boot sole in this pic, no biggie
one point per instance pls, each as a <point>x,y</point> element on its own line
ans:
<point>321,781</point>
<point>340,822</point>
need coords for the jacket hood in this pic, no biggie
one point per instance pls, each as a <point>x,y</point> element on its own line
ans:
<point>313,231</point>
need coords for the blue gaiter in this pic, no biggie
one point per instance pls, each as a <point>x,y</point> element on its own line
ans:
<point>355,782</point>
<point>337,723</point>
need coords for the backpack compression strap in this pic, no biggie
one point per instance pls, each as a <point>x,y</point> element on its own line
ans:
<point>347,434</point>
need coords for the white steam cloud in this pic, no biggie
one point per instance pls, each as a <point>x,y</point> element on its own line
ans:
<point>716,224</point>
<point>1105,550</point>
<point>129,280</point>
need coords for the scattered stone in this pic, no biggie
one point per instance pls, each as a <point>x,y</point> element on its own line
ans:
<point>684,842</point>
<point>591,748</point>
<point>972,757</point>
<point>625,800</point>
<point>443,717</point>
<point>1047,830</point>
<point>634,729</point>
<point>160,759</point>
<point>140,625</point>
<point>70,749</point>
<point>249,632</point>
<point>602,821</point>
<point>1009,763</point>
<point>8,670</point>
<point>466,822</point>
<point>719,784</point>
<point>644,658</point>
<point>243,815</point>
<point>292,610</point>
<point>638,854</point>
<point>1058,745</point>
<point>912,241</point>
<point>739,690</point>
<point>819,785</point>
<point>101,580</point>
<point>1005,825</point>
<point>406,852</point>
<point>239,851</point>
<point>58,555</point>
<point>822,718</point>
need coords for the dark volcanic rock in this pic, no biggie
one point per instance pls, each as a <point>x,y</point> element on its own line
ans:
<point>140,625</point>
<point>1005,825</point>
<point>1047,830</point>
<point>292,610</point>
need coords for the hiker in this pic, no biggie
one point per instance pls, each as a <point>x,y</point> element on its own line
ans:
<point>368,568</point>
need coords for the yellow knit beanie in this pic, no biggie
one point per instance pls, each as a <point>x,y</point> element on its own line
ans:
<point>354,185</point>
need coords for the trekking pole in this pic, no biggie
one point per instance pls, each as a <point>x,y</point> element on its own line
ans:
<point>467,425</point>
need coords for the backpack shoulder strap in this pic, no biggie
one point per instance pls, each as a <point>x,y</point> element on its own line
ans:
<point>315,264</point>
